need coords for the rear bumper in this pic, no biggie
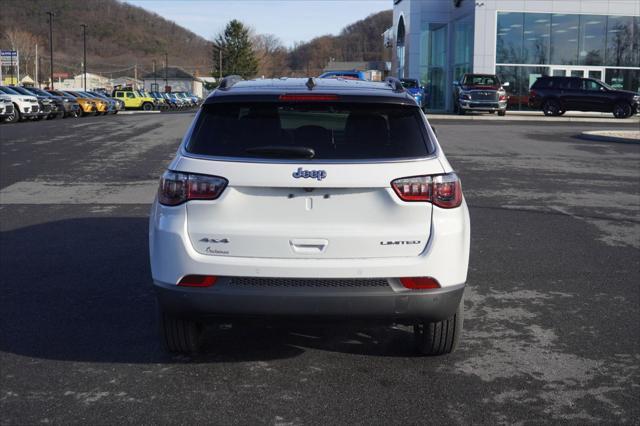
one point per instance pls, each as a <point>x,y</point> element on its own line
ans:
<point>389,304</point>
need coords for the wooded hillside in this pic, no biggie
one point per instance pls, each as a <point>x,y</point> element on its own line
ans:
<point>122,38</point>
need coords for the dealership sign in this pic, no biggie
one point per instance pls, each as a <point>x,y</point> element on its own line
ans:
<point>8,57</point>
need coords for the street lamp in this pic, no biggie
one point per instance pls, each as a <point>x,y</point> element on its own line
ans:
<point>155,78</point>
<point>84,60</point>
<point>166,70</point>
<point>51,15</point>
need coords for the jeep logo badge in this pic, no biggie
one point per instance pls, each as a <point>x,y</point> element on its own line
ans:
<point>309,174</point>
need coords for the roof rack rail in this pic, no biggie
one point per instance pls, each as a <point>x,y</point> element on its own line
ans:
<point>395,84</point>
<point>228,81</point>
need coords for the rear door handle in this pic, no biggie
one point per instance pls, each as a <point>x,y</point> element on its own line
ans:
<point>308,245</point>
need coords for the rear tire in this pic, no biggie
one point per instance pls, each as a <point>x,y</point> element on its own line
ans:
<point>622,110</point>
<point>180,335</point>
<point>502,113</point>
<point>147,106</point>
<point>441,337</point>
<point>551,108</point>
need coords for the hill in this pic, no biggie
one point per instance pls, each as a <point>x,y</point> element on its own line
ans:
<point>123,39</point>
<point>360,41</point>
<point>119,36</point>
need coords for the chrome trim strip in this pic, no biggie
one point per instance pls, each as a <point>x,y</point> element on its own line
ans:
<point>186,154</point>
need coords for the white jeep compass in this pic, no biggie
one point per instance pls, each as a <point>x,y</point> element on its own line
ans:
<point>323,199</point>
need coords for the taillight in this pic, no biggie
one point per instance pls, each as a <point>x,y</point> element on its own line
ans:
<point>532,93</point>
<point>198,281</point>
<point>442,190</point>
<point>503,97</point>
<point>176,187</point>
<point>419,283</point>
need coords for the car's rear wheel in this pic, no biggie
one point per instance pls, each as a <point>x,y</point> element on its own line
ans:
<point>147,106</point>
<point>622,110</point>
<point>180,335</point>
<point>502,113</point>
<point>551,108</point>
<point>441,337</point>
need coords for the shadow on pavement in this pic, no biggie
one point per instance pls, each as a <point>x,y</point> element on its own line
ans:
<point>79,290</point>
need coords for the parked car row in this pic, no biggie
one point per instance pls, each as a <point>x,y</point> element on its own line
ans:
<point>30,103</point>
<point>148,101</point>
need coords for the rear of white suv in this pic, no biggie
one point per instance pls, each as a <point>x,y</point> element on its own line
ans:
<point>316,199</point>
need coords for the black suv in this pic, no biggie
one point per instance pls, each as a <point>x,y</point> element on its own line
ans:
<point>557,95</point>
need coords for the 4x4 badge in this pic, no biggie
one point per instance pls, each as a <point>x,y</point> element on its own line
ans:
<point>306,174</point>
<point>214,241</point>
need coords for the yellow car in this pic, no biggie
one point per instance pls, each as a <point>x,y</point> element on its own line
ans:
<point>87,105</point>
<point>134,100</point>
<point>101,104</point>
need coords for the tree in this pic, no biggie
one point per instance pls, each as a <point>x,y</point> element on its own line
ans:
<point>25,43</point>
<point>271,54</point>
<point>238,57</point>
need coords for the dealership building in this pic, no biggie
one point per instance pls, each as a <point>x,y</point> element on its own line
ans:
<point>436,41</point>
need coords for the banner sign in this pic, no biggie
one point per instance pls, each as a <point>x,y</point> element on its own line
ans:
<point>8,58</point>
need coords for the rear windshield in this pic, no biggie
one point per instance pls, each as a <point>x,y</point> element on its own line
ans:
<point>333,131</point>
<point>410,84</point>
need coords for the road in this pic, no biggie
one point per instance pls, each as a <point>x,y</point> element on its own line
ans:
<point>552,328</point>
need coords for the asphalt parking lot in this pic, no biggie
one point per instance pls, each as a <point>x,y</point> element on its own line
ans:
<point>552,328</point>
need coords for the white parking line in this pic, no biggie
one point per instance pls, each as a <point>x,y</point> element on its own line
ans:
<point>41,192</point>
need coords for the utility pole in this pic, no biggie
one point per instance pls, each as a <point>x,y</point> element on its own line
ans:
<point>36,61</point>
<point>155,78</point>
<point>220,54</point>
<point>135,73</point>
<point>51,15</point>
<point>166,70</point>
<point>12,70</point>
<point>84,48</point>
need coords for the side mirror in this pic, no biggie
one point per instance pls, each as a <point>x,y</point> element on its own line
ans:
<point>505,84</point>
<point>456,83</point>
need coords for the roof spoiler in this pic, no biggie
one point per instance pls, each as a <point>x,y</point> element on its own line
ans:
<point>228,81</point>
<point>395,84</point>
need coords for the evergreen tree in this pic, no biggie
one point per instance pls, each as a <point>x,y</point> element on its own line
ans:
<point>238,57</point>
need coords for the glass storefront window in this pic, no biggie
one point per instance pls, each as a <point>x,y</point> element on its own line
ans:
<point>622,41</point>
<point>624,79</point>
<point>593,30</point>
<point>537,40</point>
<point>509,37</point>
<point>520,81</point>
<point>568,39</point>
<point>564,39</point>
<point>433,63</point>
<point>462,48</point>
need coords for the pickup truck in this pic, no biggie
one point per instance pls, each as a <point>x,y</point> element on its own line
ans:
<point>480,92</point>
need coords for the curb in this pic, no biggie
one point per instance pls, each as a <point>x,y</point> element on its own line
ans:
<point>514,118</point>
<point>595,136</point>
<point>138,112</point>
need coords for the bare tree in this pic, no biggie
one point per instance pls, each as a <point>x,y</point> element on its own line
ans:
<point>271,54</point>
<point>25,43</point>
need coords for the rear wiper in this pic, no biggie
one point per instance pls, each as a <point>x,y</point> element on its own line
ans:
<point>282,151</point>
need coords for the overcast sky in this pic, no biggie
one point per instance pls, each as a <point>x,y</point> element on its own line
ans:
<point>289,20</point>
